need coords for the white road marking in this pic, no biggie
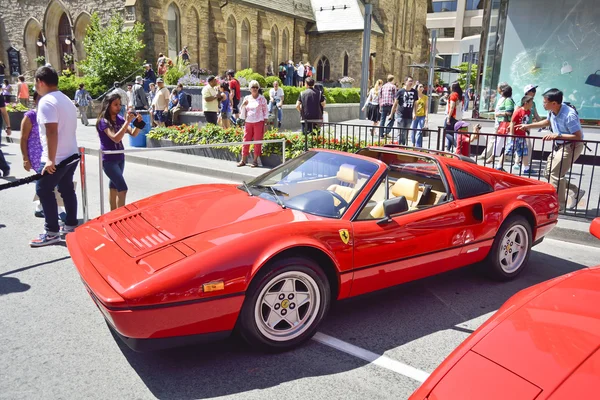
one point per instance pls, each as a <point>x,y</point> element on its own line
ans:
<point>570,244</point>
<point>373,358</point>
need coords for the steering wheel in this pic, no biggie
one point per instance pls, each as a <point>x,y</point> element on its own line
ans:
<point>343,203</point>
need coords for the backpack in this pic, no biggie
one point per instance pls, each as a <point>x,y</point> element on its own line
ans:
<point>572,106</point>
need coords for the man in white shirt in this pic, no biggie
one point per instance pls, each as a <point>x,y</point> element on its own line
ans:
<point>210,100</point>
<point>160,103</point>
<point>300,74</point>
<point>57,121</point>
<point>276,100</point>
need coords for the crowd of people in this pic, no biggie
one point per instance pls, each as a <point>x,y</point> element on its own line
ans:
<point>406,107</point>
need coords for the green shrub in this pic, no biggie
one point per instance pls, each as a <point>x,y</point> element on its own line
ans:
<point>244,73</point>
<point>259,78</point>
<point>332,95</point>
<point>69,84</point>
<point>271,79</point>
<point>291,94</point>
<point>352,95</point>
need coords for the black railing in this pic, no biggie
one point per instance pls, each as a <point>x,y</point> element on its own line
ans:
<point>530,156</point>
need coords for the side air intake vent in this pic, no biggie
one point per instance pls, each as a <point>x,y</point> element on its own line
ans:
<point>468,185</point>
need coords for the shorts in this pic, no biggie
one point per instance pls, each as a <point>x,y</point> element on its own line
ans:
<point>160,116</point>
<point>236,104</point>
<point>225,115</point>
<point>517,146</point>
<point>114,171</point>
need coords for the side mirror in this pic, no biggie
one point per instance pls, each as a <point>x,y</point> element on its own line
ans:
<point>595,228</point>
<point>393,206</point>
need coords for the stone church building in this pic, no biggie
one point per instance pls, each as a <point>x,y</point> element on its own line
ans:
<point>224,34</point>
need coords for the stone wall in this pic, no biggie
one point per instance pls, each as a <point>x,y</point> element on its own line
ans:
<point>22,20</point>
<point>334,46</point>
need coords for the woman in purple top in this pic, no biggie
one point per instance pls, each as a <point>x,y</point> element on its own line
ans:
<point>31,146</point>
<point>111,128</point>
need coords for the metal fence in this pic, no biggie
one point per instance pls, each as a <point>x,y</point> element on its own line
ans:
<point>544,159</point>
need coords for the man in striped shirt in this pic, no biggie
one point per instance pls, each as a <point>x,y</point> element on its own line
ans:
<point>387,95</point>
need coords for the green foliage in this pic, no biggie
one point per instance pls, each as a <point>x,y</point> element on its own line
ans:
<point>271,79</point>
<point>194,134</point>
<point>176,71</point>
<point>18,107</point>
<point>244,73</point>
<point>462,77</point>
<point>68,83</point>
<point>40,60</point>
<point>111,52</point>
<point>258,78</point>
<point>332,95</point>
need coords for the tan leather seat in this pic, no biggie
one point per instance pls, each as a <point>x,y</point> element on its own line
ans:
<point>403,187</point>
<point>348,176</point>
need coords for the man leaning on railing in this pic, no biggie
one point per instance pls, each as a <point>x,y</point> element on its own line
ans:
<point>565,126</point>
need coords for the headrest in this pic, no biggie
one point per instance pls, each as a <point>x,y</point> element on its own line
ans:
<point>407,188</point>
<point>347,174</point>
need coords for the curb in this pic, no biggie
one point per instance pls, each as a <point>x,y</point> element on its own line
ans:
<point>573,232</point>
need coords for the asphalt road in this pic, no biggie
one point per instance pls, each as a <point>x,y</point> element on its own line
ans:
<point>54,344</point>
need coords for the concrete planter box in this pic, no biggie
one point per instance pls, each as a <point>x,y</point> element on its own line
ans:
<point>217,153</point>
<point>291,117</point>
<point>15,118</point>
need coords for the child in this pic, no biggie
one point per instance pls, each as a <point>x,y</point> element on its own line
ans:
<point>464,138</point>
<point>225,99</point>
<point>518,145</point>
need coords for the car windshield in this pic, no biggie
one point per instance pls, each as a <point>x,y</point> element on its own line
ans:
<point>319,183</point>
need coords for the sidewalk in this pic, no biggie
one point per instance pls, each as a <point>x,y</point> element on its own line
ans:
<point>567,229</point>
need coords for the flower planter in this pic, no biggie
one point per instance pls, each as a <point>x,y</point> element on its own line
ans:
<point>224,153</point>
<point>345,85</point>
<point>15,118</point>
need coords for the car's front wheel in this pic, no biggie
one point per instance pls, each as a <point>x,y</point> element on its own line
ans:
<point>511,248</point>
<point>285,304</point>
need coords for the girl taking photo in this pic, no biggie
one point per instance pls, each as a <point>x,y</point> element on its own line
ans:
<point>111,127</point>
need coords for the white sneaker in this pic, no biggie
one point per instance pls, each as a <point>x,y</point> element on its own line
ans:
<point>575,199</point>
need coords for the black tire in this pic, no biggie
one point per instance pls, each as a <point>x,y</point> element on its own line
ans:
<point>247,325</point>
<point>494,267</point>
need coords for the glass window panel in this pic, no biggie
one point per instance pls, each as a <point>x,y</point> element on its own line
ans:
<point>231,43</point>
<point>245,45</point>
<point>173,31</point>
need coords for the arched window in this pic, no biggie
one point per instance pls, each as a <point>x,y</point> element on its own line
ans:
<point>323,69</point>
<point>245,44</point>
<point>65,43</point>
<point>275,46</point>
<point>174,32</point>
<point>231,43</point>
<point>286,46</point>
<point>346,64</point>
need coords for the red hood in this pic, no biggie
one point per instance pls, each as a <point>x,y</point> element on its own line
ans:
<point>123,245</point>
<point>549,337</point>
<point>183,213</point>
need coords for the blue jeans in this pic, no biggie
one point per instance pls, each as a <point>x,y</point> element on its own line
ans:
<point>3,164</point>
<point>385,111</point>
<point>417,133</point>
<point>279,111</point>
<point>114,171</point>
<point>404,125</point>
<point>63,179</point>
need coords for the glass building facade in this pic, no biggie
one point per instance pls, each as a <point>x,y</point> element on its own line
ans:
<point>548,43</point>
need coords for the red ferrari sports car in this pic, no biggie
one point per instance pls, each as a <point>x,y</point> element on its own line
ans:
<point>267,257</point>
<point>543,343</point>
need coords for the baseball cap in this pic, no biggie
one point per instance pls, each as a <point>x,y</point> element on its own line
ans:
<point>160,80</point>
<point>460,124</point>
<point>529,88</point>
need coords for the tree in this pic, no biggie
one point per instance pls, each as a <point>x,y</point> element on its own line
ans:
<point>112,53</point>
<point>462,77</point>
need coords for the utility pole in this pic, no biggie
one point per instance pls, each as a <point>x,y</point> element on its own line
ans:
<point>366,55</point>
<point>432,62</point>
<point>469,69</point>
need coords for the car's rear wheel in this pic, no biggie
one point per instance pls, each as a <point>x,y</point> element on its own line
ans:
<point>510,251</point>
<point>284,304</point>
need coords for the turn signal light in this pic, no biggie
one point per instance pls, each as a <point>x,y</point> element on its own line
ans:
<point>213,286</point>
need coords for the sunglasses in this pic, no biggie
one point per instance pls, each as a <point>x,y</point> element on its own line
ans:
<point>253,87</point>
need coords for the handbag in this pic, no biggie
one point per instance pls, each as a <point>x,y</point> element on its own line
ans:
<point>503,128</point>
<point>593,79</point>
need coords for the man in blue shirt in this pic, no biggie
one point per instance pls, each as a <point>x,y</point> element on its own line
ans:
<point>82,101</point>
<point>182,104</point>
<point>566,134</point>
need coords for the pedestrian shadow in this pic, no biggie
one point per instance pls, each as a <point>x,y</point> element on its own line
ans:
<point>379,322</point>
<point>12,285</point>
<point>14,271</point>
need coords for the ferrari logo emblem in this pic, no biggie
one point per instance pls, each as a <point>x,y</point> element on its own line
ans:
<point>344,235</point>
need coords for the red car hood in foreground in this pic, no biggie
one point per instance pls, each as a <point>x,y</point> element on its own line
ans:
<point>131,236</point>
<point>542,344</point>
